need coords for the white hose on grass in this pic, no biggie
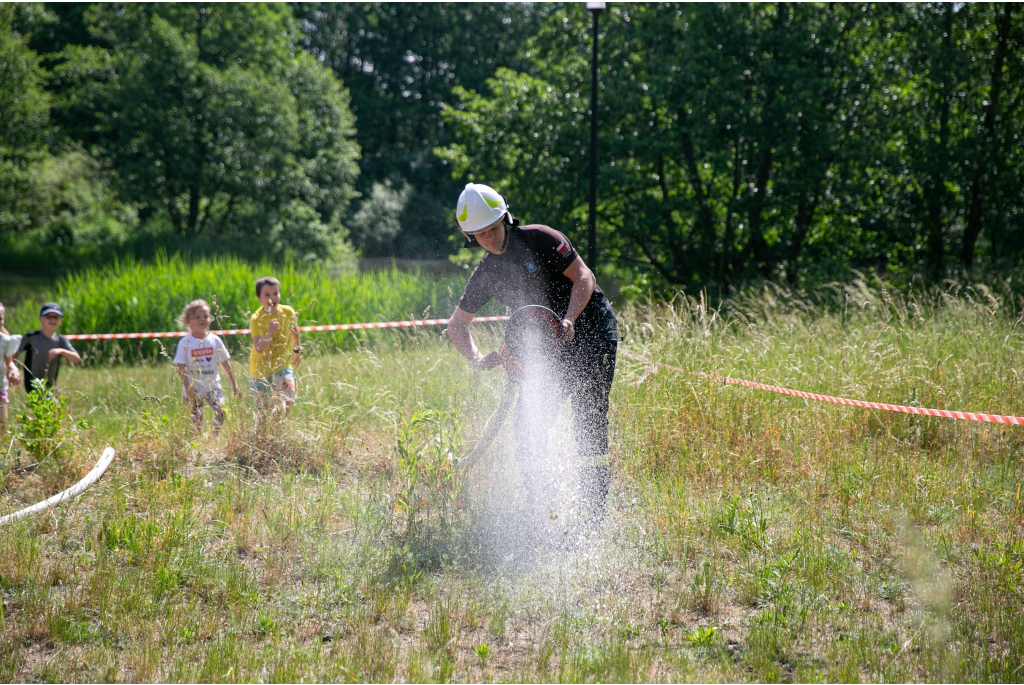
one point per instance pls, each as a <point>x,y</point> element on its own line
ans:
<point>69,494</point>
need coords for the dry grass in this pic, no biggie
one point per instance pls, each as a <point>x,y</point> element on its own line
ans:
<point>752,537</point>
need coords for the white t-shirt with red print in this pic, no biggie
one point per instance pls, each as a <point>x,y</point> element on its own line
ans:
<point>200,357</point>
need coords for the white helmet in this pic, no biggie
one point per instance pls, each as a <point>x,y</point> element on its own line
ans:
<point>479,206</point>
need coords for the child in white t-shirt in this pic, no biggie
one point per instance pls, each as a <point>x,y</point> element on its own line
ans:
<point>199,353</point>
<point>8,371</point>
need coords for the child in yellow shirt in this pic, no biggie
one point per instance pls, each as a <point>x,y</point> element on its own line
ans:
<point>273,326</point>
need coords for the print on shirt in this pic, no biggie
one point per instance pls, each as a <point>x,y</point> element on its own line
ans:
<point>200,359</point>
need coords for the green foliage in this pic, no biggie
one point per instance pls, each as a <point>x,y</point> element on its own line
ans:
<point>400,61</point>
<point>44,428</point>
<point>192,128</point>
<point>128,296</point>
<point>702,636</point>
<point>483,651</point>
<point>209,115</point>
<point>737,142</point>
<point>24,105</point>
<point>58,212</point>
<point>764,141</point>
<point>49,201</point>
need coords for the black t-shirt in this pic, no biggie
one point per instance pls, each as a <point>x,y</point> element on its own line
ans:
<point>38,364</point>
<point>530,271</point>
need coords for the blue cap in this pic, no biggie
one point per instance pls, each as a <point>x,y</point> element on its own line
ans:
<point>51,308</point>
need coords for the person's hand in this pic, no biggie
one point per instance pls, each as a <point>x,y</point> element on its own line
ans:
<point>238,393</point>
<point>274,326</point>
<point>568,330</point>
<point>487,362</point>
<point>511,365</point>
<point>14,376</point>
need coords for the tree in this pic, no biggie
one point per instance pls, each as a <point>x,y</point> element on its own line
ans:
<point>759,141</point>
<point>987,141</point>
<point>401,61</point>
<point>713,165</point>
<point>53,196</point>
<point>210,115</point>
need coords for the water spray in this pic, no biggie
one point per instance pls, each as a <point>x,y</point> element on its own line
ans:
<point>532,337</point>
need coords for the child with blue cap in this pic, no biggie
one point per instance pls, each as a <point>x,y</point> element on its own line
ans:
<point>44,348</point>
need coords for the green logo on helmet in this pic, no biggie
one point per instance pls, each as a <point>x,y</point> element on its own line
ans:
<point>465,213</point>
<point>493,204</point>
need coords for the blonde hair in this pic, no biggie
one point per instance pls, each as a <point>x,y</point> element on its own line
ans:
<point>4,310</point>
<point>190,310</point>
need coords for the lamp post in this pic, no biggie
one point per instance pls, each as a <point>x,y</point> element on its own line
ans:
<point>595,10</point>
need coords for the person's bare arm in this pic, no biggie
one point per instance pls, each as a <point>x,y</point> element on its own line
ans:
<point>11,371</point>
<point>226,365</point>
<point>262,342</point>
<point>583,285</point>
<point>458,331</point>
<point>70,355</point>
<point>184,380</point>
<point>296,344</point>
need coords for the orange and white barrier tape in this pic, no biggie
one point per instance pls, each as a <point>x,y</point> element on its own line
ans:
<point>302,329</point>
<point>942,413</point>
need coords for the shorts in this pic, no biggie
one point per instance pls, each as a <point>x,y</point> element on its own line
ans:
<point>280,382</point>
<point>214,398</point>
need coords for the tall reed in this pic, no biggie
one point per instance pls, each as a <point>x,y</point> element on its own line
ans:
<point>129,297</point>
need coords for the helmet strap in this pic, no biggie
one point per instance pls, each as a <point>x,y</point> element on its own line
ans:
<point>508,233</point>
<point>510,223</point>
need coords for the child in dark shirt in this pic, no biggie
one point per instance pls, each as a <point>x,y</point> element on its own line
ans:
<point>44,348</point>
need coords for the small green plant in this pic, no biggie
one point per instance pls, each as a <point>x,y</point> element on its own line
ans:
<point>265,624</point>
<point>702,636</point>
<point>483,650</point>
<point>705,589</point>
<point>429,446</point>
<point>45,429</point>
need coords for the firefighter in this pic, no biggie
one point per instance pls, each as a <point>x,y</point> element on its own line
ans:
<point>537,265</point>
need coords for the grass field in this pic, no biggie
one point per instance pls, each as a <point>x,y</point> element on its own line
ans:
<point>751,536</point>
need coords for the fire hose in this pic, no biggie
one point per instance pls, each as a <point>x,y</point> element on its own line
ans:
<point>69,494</point>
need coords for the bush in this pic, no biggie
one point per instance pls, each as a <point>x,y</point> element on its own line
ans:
<point>47,433</point>
<point>428,504</point>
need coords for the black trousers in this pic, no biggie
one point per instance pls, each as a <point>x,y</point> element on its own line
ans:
<point>584,371</point>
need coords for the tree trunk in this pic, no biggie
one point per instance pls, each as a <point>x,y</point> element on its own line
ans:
<point>985,159</point>
<point>806,207</point>
<point>936,192</point>
<point>757,245</point>
<point>725,256</point>
<point>705,223</point>
<point>193,208</point>
<point>171,199</point>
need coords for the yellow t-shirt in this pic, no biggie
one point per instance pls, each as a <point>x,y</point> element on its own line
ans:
<point>278,355</point>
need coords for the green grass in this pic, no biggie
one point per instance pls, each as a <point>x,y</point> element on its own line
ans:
<point>131,297</point>
<point>752,536</point>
